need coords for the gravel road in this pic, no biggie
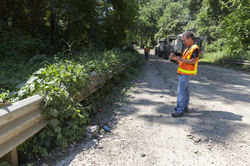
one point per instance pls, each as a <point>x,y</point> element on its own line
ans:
<point>216,131</point>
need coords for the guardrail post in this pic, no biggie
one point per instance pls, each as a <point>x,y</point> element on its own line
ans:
<point>11,157</point>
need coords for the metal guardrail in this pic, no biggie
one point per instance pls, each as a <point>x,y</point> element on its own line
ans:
<point>21,120</point>
<point>239,62</point>
<point>18,122</point>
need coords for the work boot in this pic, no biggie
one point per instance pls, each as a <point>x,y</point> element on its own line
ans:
<point>185,110</point>
<point>176,115</point>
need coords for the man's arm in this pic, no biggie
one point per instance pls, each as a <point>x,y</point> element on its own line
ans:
<point>192,61</point>
<point>189,61</point>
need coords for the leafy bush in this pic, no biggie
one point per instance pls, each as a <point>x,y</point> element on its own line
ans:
<point>216,46</point>
<point>4,96</point>
<point>4,163</point>
<point>59,83</point>
<point>15,70</point>
<point>17,44</point>
<point>126,47</point>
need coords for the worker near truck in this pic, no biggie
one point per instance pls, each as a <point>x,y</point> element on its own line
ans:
<point>146,52</point>
<point>188,65</point>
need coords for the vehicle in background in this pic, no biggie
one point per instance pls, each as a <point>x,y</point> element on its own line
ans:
<point>177,47</point>
<point>162,47</point>
<point>174,44</point>
<point>157,47</point>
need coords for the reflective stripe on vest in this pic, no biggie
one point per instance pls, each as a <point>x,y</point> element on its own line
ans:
<point>186,71</point>
<point>187,55</point>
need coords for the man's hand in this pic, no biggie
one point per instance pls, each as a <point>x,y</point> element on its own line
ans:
<point>172,56</point>
<point>178,58</point>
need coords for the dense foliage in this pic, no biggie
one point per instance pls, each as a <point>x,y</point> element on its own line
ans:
<point>226,23</point>
<point>59,83</point>
<point>61,42</point>
<point>30,27</point>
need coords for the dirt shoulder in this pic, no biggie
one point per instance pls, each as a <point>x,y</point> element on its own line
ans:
<point>216,131</point>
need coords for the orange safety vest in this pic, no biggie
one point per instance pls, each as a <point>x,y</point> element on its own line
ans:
<point>146,49</point>
<point>189,69</point>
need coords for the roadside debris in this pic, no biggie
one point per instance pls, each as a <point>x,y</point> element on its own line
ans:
<point>91,131</point>
<point>106,128</point>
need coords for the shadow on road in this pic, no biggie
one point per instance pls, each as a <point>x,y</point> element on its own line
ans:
<point>205,121</point>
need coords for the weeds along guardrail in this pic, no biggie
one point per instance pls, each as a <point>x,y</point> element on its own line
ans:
<point>239,62</point>
<point>21,120</point>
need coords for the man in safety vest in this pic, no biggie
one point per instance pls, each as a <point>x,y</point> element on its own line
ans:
<point>146,52</point>
<point>188,65</point>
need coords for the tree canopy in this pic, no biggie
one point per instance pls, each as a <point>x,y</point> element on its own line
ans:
<point>30,27</point>
<point>41,26</point>
<point>226,23</point>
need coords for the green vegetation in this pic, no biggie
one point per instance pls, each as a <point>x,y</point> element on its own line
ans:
<point>32,27</point>
<point>212,57</point>
<point>59,83</point>
<point>220,58</point>
<point>14,69</point>
<point>4,163</point>
<point>51,47</point>
<point>226,23</point>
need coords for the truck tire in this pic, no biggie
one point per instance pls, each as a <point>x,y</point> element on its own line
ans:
<point>156,50</point>
<point>166,52</point>
<point>160,54</point>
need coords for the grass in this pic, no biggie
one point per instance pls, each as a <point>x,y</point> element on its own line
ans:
<point>212,57</point>
<point>218,58</point>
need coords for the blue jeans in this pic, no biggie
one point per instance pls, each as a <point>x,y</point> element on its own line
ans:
<point>183,93</point>
<point>146,56</point>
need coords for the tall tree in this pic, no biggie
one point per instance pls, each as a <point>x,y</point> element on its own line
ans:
<point>210,15</point>
<point>51,22</point>
<point>235,28</point>
<point>119,17</point>
<point>148,19</point>
<point>174,18</point>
